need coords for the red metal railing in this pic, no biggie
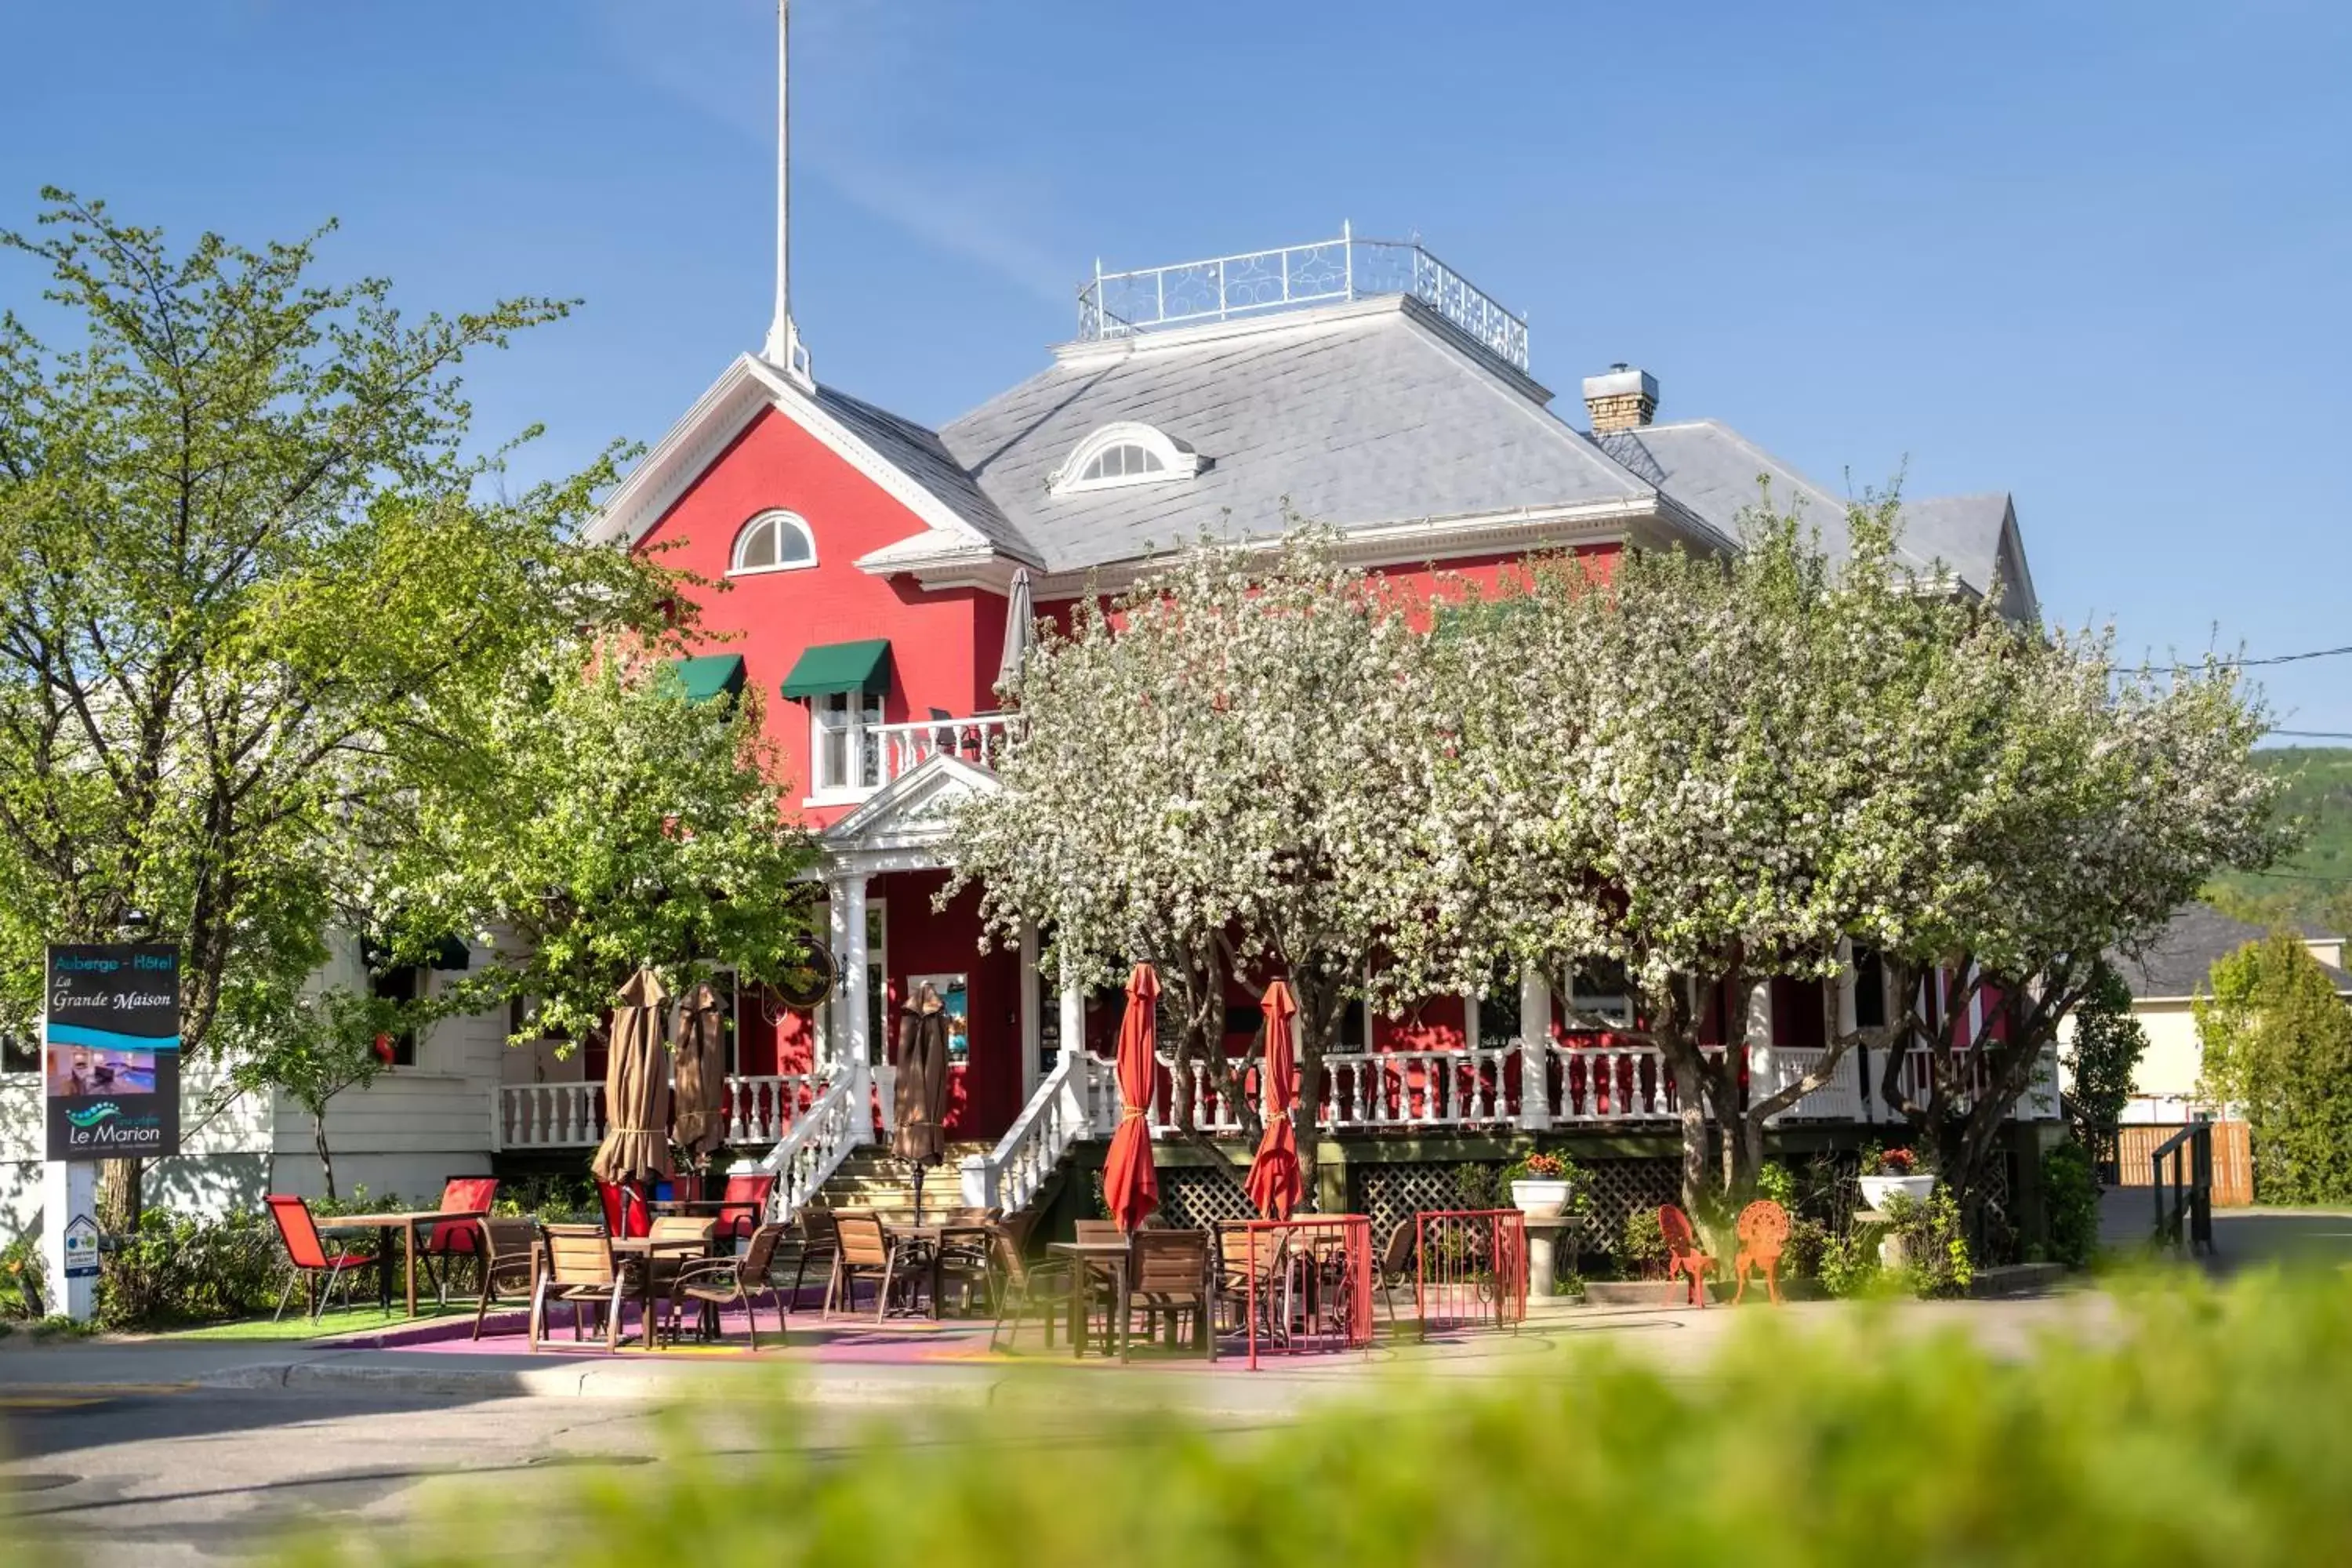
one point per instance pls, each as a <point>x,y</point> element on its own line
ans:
<point>1309,1284</point>
<point>1471,1267</point>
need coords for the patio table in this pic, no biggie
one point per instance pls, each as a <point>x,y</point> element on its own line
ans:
<point>407,1224</point>
<point>935,1238</point>
<point>1113,1257</point>
<point>648,1248</point>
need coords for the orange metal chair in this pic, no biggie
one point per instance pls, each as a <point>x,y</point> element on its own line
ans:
<point>1683,1259</point>
<point>1763,1232</point>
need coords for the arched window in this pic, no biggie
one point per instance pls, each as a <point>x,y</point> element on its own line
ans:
<point>1125,453</point>
<point>774,542</point>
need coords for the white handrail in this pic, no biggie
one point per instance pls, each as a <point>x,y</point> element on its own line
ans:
<point>1058,1114</point>
<point>840,1119</point>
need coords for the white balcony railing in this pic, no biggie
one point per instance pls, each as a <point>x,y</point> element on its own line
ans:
<point>900,749</point>
<point>1375,1089</point>
<point>531,1116</point>
<point>1325,271</point>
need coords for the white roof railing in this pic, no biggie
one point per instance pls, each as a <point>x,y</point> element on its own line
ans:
<point>1260,282</point>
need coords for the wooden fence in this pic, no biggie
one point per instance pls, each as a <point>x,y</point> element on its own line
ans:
<point>2233,1158</point>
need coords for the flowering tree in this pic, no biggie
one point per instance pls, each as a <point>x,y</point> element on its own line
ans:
<point>1211,774</point>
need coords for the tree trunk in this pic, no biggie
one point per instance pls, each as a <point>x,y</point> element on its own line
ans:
<point>121,1194</point>
<point>319,1142</point>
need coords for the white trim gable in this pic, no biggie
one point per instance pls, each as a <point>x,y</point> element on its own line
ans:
<point>741,393</point>
<point>903,825</point>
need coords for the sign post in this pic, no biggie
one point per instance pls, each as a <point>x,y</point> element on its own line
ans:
<point>111,1072</point>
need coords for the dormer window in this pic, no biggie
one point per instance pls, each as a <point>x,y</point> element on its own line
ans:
<point>774,542</point>
<point>1124,454</point>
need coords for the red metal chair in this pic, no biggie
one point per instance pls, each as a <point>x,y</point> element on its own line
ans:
<point>625,1214</point>
<point>746,1198</point>
<point>458,1238</point>
<point>307,1252</point>
<point>1683,1257</point>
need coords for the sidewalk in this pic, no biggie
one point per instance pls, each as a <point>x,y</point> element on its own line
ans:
<point>857,1365</point>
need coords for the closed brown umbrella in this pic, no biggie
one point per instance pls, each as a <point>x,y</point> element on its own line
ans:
<point>699,1108</point>
<point>636,1088</point>
<point>920,1101</point>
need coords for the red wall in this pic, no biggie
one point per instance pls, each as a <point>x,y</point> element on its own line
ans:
<point>944,647</point>
<point>984,1094</point>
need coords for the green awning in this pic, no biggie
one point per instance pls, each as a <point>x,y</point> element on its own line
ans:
<point>710,676</point>
<point>835,666</point>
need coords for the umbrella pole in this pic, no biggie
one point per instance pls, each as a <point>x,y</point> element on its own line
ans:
<point>919,1192</point>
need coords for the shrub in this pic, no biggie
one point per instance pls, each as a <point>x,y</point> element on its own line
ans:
<point>20,1279</point>
<point>178,1269</point>
<point>2070,1195</point>
<point>1935,1260</point>
<point>555,1199</point>
<point>1849,1264</point>
<point>2211,1429</point>
<point>2278,1040</point>
<point>1642,1245</point>
<point>1476,1185</point>
<point>1801,1255</point>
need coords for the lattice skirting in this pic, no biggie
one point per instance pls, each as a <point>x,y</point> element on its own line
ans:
<point>1194,1197</point>
<point>1393,1192</point>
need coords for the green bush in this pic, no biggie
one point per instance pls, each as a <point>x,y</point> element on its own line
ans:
<point>1642,1245</point>
<point>1936,1261</point>
<point>553,1199</point>
<point>20,1279</point>
<point>2278,1040</point>
<point>1849,1264</point>
<point>2207,1430</point>
<point>2070,1195</point>
<point>178,1269</point>
<point>1476,1187</point>
<point>1801,1255</point>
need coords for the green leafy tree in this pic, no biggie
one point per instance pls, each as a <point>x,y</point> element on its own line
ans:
<point>2277,1041</point>
<point>315,1045</point>
<point>595,821</point>
<point>251,564</point>
<point>2102,1053</point>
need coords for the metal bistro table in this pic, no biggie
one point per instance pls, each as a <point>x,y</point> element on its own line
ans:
<point>646,1249</point>
<point>408,1224</point>
<point>935,1238</point>
<point>1086,1257</point>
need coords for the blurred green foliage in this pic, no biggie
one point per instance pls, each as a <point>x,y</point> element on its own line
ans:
<point>2070,1197</point>
<point>2201,1429</point>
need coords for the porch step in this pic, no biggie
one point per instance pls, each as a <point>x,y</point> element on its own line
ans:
<point>873,1179</point>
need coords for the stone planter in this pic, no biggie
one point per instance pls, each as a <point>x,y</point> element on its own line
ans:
<point>1876,1190</point>
<point>1540,1196</point>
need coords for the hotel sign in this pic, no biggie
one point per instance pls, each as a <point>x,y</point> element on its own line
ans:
<point>111,1050</point>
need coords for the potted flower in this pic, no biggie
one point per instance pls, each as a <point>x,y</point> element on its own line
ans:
<point>1542,1185</point>
<point>1886,1172</point>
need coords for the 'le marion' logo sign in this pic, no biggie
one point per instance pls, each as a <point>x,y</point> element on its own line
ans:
<point>111,1050</point>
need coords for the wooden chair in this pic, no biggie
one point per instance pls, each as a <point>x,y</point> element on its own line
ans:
<point>1763,1230</point>
<point>1173,1278</point>
<point>307,1254</point>
<point>723,1282</point>
<point>1026,1285</point>
<point>968,1260</point>
<point>1398,1264</point>
<point>455,1239</point>
<point>820,1241</point>
<point>866,1253</point>
<point>582,1270</point>
<point>1684,1259</point>
<point>1099,1230</point>
<point>510,1256</point>
<point>1243,1273</point>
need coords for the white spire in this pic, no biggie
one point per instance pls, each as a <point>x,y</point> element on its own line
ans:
<point>784,349</point>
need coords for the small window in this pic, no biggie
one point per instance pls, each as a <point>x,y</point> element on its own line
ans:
<point>1869,989</point>
<point>1125,453</point>
<point>847,755</point>
<point>774,541</point>
<point>404,983</point>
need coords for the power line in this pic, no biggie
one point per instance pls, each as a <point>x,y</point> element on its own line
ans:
<point>2236,663</point>
<point>2314,734</point>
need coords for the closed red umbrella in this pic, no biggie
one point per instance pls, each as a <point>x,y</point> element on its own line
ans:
<point>1274,1181</point>
<point>1130,1185</point>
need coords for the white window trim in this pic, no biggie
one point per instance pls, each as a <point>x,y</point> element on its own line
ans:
<point>1180,461</point>
<point>838,795</point>
<point>781,519</point>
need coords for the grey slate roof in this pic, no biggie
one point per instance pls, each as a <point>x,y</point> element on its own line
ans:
<point>2183,956</point>
<point>1365,418</point>
<point>1713,471</point>
<point>918,453</point>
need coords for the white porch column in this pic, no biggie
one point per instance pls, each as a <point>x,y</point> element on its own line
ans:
<point>1080,1110</point>
<point>1032,1014</point>
<point>1763,1076</point>
<point>1535,1050</point>
<point>852,1050</point>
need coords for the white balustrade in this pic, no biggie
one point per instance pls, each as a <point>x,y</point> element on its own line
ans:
<point>762,1110</point>
<point>551,1115</point>
<point>1413,1089</point>
<point>837,1122</point>
<point>1609,1084</point>
<point>1842,1098</point>
<point>1058,1114</point>
<point>902,747</point>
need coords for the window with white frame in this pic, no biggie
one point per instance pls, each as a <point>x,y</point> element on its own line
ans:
<point>1126,453</point>
<point>774,542</point>
<point>846,755</point>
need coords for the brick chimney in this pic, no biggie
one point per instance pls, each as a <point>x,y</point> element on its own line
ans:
<point>1625,399</point>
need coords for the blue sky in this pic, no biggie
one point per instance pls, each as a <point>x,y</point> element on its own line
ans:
<point>2093,254</point>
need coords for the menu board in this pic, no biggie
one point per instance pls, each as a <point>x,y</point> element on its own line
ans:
<point>111,1050</point>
